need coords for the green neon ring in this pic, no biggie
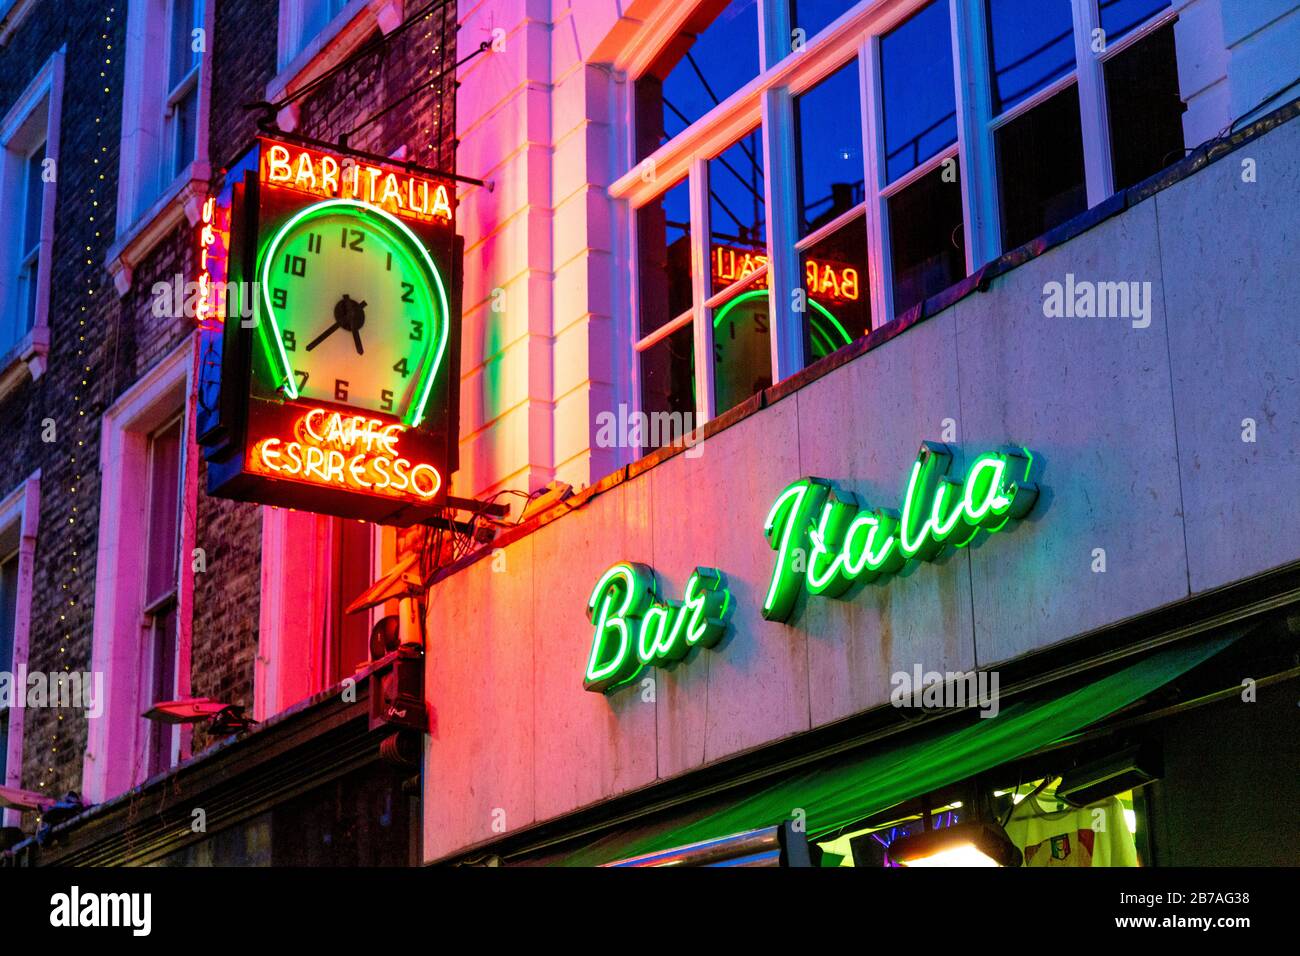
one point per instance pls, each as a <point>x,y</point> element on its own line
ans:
<point>415,414</point>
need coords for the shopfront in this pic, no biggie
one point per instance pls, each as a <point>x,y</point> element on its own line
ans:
<point>995,565</point>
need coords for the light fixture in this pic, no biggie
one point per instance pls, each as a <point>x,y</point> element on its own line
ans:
<point>224,718</point>
<point>1109,776</point>
<point>963,844</point>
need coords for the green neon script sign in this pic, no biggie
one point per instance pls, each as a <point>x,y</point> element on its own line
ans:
<point>635,630</point>
<point>825,540</point>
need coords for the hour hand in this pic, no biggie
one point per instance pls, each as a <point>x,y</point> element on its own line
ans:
<point>322,337</point>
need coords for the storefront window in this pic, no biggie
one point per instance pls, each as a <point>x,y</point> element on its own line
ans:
<point>1040,168</point>
<point>919,104</point>
<point>813,16</point>
<point>925,236</point>
<point>664,248</point>
<point>667,377</point>
<point>1031,45</point>
<point>835,277</point>
<point>737,212</point>
<point>714,55</point>
<point>1145,108</point>
<point>1119,17</point>
<point>828,129</point>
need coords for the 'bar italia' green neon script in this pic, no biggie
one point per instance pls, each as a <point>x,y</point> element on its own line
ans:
<point>634,630</point>
<point>825,541</point>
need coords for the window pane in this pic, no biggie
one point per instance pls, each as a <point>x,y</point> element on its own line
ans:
<point>919,102</point>
<point>1031,45</point>
<point>1118,17</point>
<point>925,236</point>
<point>737,213</point>
<point>1146,110</point>
<point>664,249</point>
<point>813,16</point>
<point>8,616</point>
<point>183,56</point>
<point>1040,169</point>
<point>742,348</point>
<point>835,274</point>
<point>668,384</point>
<point>27,293</point>
<point>164,512</point>
<point>34,192</point>
<point>185,120</point>
<point>828,130</point>
<point>715,54</point>
<point>165,639</point>
<point>352,576</point>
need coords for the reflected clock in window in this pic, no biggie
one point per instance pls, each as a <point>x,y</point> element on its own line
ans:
<point>357,312</point>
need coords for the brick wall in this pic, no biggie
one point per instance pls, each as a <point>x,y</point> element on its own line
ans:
<point>91,365</point>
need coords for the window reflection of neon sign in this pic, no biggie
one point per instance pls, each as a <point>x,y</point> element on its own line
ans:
<point>320,174</point>
<point>634,630</point>
<point>825,330</point>
<point>348,452</point>
<point>825,541</point>
<point>827,280</point>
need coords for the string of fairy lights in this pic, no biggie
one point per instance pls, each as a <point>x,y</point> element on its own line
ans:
<point>74,458</point>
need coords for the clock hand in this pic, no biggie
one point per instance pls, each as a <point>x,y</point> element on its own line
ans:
<point>322,337</point>
<point>356,337</point>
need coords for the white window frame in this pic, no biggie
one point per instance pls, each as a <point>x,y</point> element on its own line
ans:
<point>149,210</point>
<point>12,15</point>
<point>768,97</point>
<point>118,740</point>
<point>34,118</point>
<point>20,510</point>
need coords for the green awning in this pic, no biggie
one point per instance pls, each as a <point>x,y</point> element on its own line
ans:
<point>861,785</point>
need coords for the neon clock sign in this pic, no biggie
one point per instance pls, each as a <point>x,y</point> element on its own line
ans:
<point>337,391</point>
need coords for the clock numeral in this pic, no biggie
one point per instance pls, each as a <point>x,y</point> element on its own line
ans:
<point>340,390</point>
<point>302,378</point>
<point>408,292</point>
<point>313,242</point>
<point>353,239</point>
<point>386,400</point>
<point>760,322</point>
<point>417,331</point>
<point>388,265</point>
<point>401,368</point>
<point>290,341</point>
<point>295,265</point>
<point>279,298</point>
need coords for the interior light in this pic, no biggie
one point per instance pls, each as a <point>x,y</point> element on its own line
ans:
<point>963,844</point>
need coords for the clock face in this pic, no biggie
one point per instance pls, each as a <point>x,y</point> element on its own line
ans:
<point>356,309</point>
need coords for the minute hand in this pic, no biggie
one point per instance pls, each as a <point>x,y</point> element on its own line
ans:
<point>322,337</point>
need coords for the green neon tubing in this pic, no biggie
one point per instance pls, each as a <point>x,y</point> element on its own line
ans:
<point>844,543</point>
<point>415,414</point>
<point>634,630</point>
<point>816,331</point>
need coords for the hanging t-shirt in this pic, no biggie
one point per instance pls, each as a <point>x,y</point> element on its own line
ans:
<point>1095,835</point>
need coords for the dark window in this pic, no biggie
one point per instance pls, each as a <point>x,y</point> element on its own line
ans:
<point>917,94</point>
<point>828,131</point>
<point>1031,46</point>
<point>161,554</point>
<point>813,16</point>
<point>737,212</point>
<point>715,54</point>
<point>742,348</point>
<point>1146,110</point>
<point>1040,169</point>
<point>925,236</point>
<point>834,272</point>
<point>1119,17</point>
<point>667,377</point>
<point>664,251</point>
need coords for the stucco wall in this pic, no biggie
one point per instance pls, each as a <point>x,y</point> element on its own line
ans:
<point>1140,435</point>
